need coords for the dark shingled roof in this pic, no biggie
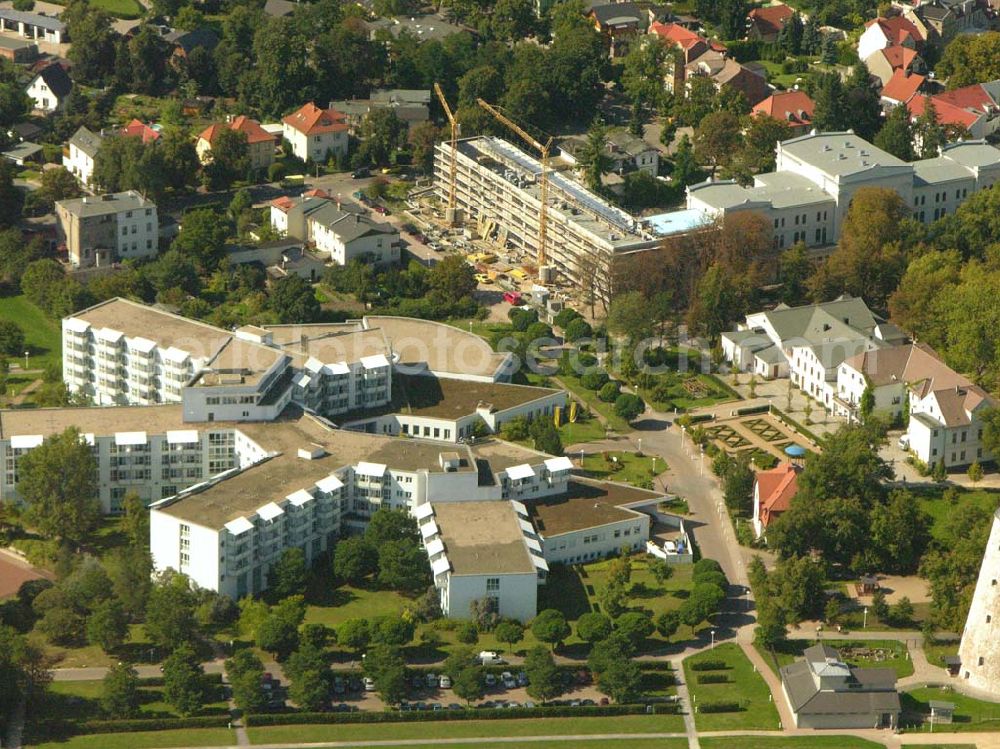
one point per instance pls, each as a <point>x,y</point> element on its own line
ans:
<point>56,79</point>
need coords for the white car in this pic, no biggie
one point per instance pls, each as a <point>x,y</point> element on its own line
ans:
<point>369,684</point>
<point>489,658</point>
<point>444,682</point>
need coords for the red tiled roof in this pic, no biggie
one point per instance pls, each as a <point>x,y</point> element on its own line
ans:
<point>283,204</point>
<point>254,132</point>
<point>947,114</point>
<point>973,97</point>
<point>776,488</point>
<point>902,86</point>
<point>672,32</point>
<point>316,193</point>
<point>793,106</point>
<point>897,29</point>
<point>770,19</point>
<point>899,57</point>
<point>311,120</point>
<point>137,129</point>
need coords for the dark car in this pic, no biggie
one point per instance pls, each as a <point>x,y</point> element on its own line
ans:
<point>361,173</point>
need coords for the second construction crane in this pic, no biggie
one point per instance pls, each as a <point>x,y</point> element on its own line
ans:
<point>543,179</point>
<point>452,214</point>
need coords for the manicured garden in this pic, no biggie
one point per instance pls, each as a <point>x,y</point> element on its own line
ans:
<point>727,693</point>
<point>469,729</point>
<point>626,467</point>
<point>859,653</point>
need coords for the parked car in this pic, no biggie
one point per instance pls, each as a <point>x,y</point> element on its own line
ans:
<point>444,682</point>
<point>605,701</point>
<point>354,684</point>
<point>436,706</point>
<point>491,680</point>
<point>489,658</point>
<point>339,687</point>
<point>588,703</point>
<point>343,707</point>
<point>418,682</point>
<point>508,679</point>
<point>529,704</point>
<point>522,679</point>
<point>575,703</point>
<point>361,173</point>
<point>583,677</point>
<point>431,680</point>
<point>454,706</point>
<point>369,684</point>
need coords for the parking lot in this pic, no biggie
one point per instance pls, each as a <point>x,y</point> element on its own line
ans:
<point>350,695</point>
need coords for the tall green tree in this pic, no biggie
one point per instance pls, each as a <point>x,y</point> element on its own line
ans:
<point>896,135</point>
<point>58,482</point>
<point>184,681</point>
<point>120,691</point>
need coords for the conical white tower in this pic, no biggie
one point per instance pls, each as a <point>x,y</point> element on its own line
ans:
<point>980,646</point>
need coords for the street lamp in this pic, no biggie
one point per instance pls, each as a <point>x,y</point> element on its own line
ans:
<point>639,441</point>
<point>702,448</point>
<point>26,360</point>
<point>865,623</point>
<point>712,632</point>
<point>683,433</point>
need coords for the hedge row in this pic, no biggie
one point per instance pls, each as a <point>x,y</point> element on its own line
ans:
<point>396,716</point>
<point>698,418</point>
<point>747,410</point>
<point>709,666</point>
<point>655,665</point>
<point>153,724</point>
<point>713,678</point>
<point>719,707</point>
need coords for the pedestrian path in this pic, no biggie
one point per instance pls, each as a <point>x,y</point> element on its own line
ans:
<point>685,705</point>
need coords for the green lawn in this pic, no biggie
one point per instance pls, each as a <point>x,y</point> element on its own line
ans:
<point>745,686</point>
<point>79,700</point>
<point>571,589</point>
<point>890,654</point>
<point>936,651</point>
<point>580,431</point>
<point>626,467</point>
<point>42,334</point>
<point>601,743</point>
<point>787,742</point>
<point>119,8</point>
<point>145,739</point>
<point>933,503</point>
<point>970,714</point>
<point>469,729</point>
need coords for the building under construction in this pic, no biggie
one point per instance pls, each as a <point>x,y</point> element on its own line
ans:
<point>497,188</point>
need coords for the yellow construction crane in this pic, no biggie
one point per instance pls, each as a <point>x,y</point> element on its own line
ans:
<point>543,179</point>
<point>451,213</point>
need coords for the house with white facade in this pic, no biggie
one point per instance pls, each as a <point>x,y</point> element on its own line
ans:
<point>347,235</point>
<point>911,383</point>
<point>894,31</point>
<point>808,343</point>
<point>81,151</point>
<point>315,133</point>
<point>49,88</point>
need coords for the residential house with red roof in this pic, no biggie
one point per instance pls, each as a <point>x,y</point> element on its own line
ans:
<point>691,46</point>
<point>138,129</point>
<point>884,63</point>
<point>902,87</point>
<point>764,24</point>
<point>316,133</point>
<point>971,110</point>
<point>773,491</point>
<point>260,143</point>
<point>794,107</point>
<point>891,44</point>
